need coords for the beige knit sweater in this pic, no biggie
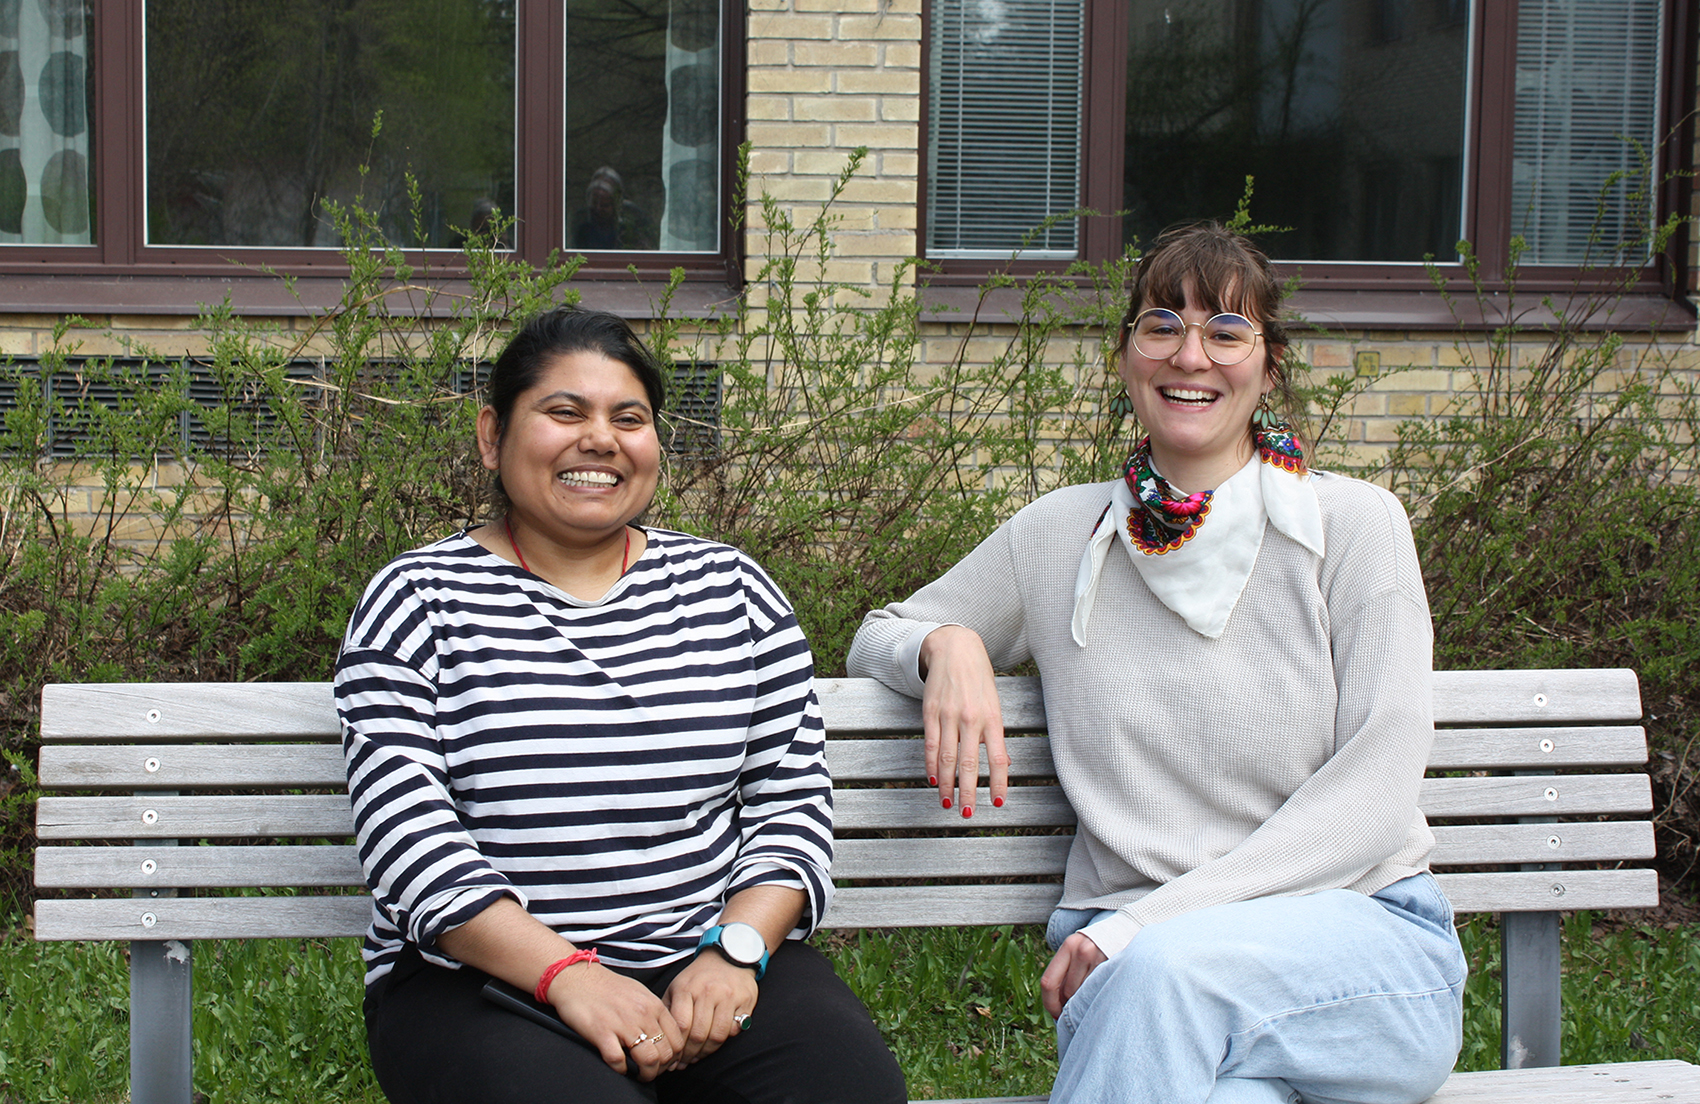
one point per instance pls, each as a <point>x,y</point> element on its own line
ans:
<point>1281,759</point>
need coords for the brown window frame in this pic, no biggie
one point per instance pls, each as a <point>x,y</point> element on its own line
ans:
<point>1403,293</point>
<point>119,273</point>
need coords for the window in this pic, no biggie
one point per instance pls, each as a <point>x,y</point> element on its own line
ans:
<point>1379,131</point>
<point>173,136</point>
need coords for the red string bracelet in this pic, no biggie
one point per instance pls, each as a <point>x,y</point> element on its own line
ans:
<point>548,978</point>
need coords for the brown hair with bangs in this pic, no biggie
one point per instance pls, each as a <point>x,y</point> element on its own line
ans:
<point>1228,274</point>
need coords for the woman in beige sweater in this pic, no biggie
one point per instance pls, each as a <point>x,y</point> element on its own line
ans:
<point>1235,654</point>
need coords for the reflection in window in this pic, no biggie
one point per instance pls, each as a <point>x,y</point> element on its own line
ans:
<point>258,111</point>
<point>643,125</point>
<point>45,85</point>
<point>1350,116</point>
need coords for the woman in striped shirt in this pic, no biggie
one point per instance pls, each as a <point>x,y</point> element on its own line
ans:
<point>586,759</point>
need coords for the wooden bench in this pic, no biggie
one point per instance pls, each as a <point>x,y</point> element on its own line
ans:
<point>254,773</point>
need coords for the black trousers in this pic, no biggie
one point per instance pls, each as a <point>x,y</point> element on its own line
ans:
<point>435,1040</point>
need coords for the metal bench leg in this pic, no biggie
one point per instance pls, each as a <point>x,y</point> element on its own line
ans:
<point>160,1022</point>
<point>1529,943</point>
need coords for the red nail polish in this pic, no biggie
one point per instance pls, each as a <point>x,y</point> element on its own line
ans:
<point>967,811</point>
<point>947,802</point>
<point>997,802</point>
<point>932,780</point>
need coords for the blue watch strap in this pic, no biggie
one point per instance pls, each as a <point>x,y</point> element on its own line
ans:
<point>712,938</point>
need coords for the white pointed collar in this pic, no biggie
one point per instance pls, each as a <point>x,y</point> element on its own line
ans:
<point>1203,578</point>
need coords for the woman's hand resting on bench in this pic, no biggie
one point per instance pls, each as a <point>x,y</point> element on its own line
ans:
<point>959,712</point>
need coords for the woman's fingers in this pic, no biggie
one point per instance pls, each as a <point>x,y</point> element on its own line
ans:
<point>1069,968</point>
<point>705,999</point>
<point>959,712</point>
<point>627,1024</point>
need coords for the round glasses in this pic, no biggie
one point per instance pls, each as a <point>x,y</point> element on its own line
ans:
<point>1158,334</point>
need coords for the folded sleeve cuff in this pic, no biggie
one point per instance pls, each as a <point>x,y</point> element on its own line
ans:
<point>1113,933</point>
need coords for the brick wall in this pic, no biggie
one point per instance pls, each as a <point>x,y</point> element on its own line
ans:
<point>827,77</point>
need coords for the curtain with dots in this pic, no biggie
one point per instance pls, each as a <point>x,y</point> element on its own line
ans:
<point>690,143</point>
<point>44,122</point>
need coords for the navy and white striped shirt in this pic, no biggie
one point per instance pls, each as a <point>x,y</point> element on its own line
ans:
<point>619,767</point>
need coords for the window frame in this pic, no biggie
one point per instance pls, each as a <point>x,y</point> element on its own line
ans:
<point>119,272</point>
<point>1329,286</point>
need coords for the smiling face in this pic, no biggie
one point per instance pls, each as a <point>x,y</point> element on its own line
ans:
<point>1197,412</point>
<point>579,456</point>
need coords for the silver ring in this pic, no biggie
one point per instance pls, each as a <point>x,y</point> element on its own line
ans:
<point>742,1019</point>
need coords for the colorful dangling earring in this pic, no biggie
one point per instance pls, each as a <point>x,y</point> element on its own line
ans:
<point>1120,405</point>
<point>1266,417</point>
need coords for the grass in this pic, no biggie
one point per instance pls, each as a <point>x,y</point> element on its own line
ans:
<point>280,1019</point>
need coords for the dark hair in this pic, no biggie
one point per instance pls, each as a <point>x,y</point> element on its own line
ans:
<point>1227,273</point>
<point>559,332</point>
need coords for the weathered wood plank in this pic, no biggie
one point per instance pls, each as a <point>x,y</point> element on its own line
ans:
<point>1567,842</point>
<point>1664,1082</point>
<point>1534,795</point>
<point>1547,696</point>
<point>951,856</point>
<point>214,817</point>
<point>1538,748</point>
<point>109,712</point>
<point>204,918</point>
<point>863,707</point>
<point>904,760</point>
<point>211,711</point>
<point>1551,890</point>
<point>931,906</point>
<point>243,766</point>
<point>1025,807</point>
<point>144,867</point>
<point>191,766</point>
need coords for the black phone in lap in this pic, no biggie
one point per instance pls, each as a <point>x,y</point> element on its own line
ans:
<point>519,1002</point>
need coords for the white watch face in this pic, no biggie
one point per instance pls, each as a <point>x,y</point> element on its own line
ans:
<point>742,944</point>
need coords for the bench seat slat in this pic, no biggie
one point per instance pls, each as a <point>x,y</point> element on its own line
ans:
<point>285,815</point>
<point>204,918</point>
<point>1658,1082</point>
<point>1662,1082</point>
<point>1534,890</point>
<point>197,867</point>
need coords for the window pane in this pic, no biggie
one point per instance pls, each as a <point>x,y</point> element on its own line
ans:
<point>1587,108</point>
<point>1004,126</point>
<point>46,86</point>
<point>1349,115</point>
<point>643,125</point>
<point>258,111</point>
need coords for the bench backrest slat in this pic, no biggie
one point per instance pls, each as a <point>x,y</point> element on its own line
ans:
<point>289,710</point>
<point>233,867</point>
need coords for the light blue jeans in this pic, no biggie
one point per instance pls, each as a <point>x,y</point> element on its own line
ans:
<point>1331,998</point>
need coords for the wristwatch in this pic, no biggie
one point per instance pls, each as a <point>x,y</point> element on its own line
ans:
<point>739,944</point>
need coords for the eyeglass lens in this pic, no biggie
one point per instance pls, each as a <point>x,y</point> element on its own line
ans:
<point>1159,335</point>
